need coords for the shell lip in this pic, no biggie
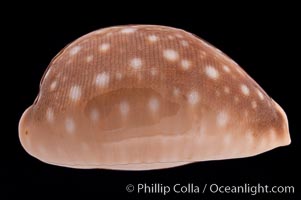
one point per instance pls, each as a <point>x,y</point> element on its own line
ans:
<point>287,140</point>
<point>23,125</point>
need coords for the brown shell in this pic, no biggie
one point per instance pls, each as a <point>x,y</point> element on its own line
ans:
<point>146,97</point>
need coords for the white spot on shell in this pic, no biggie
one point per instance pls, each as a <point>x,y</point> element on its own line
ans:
<point>226,89</point>
<point>69,125</point>
<point>260,94</point>
<point>254,104</point>
<point>202,54</point>
<point>124,108</point>
<point>128,30</point>
<point>226,68</point>
<point>118,75</point>
<point>153,104</point>
<point>179,35</point>
<point>211,72</point>
<point>136,63</point>
<point>94,115</point>
<point>245,90</point>
<point>74,50</point>
<point>171,37</point>
<point>185,64</point>
<point>154,71</point>
<point>184,43</point>
<point>75,93</point>
<point>50,115</point>
<point>89,58</point>
<point>171,54</point>
<point>53,85</point>
<point>104,47</point>
<point>222,119</point>
<point>102,79</point>
<point>193,97</point>
<point>176,91</point>
<point>152,38</point>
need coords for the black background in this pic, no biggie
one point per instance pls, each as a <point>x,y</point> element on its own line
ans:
<point>260,38</point>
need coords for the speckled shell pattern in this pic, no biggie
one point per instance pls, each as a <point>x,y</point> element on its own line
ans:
<point>147,97</point>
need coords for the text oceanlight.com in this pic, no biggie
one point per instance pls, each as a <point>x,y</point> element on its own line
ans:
<point>191,188</point>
